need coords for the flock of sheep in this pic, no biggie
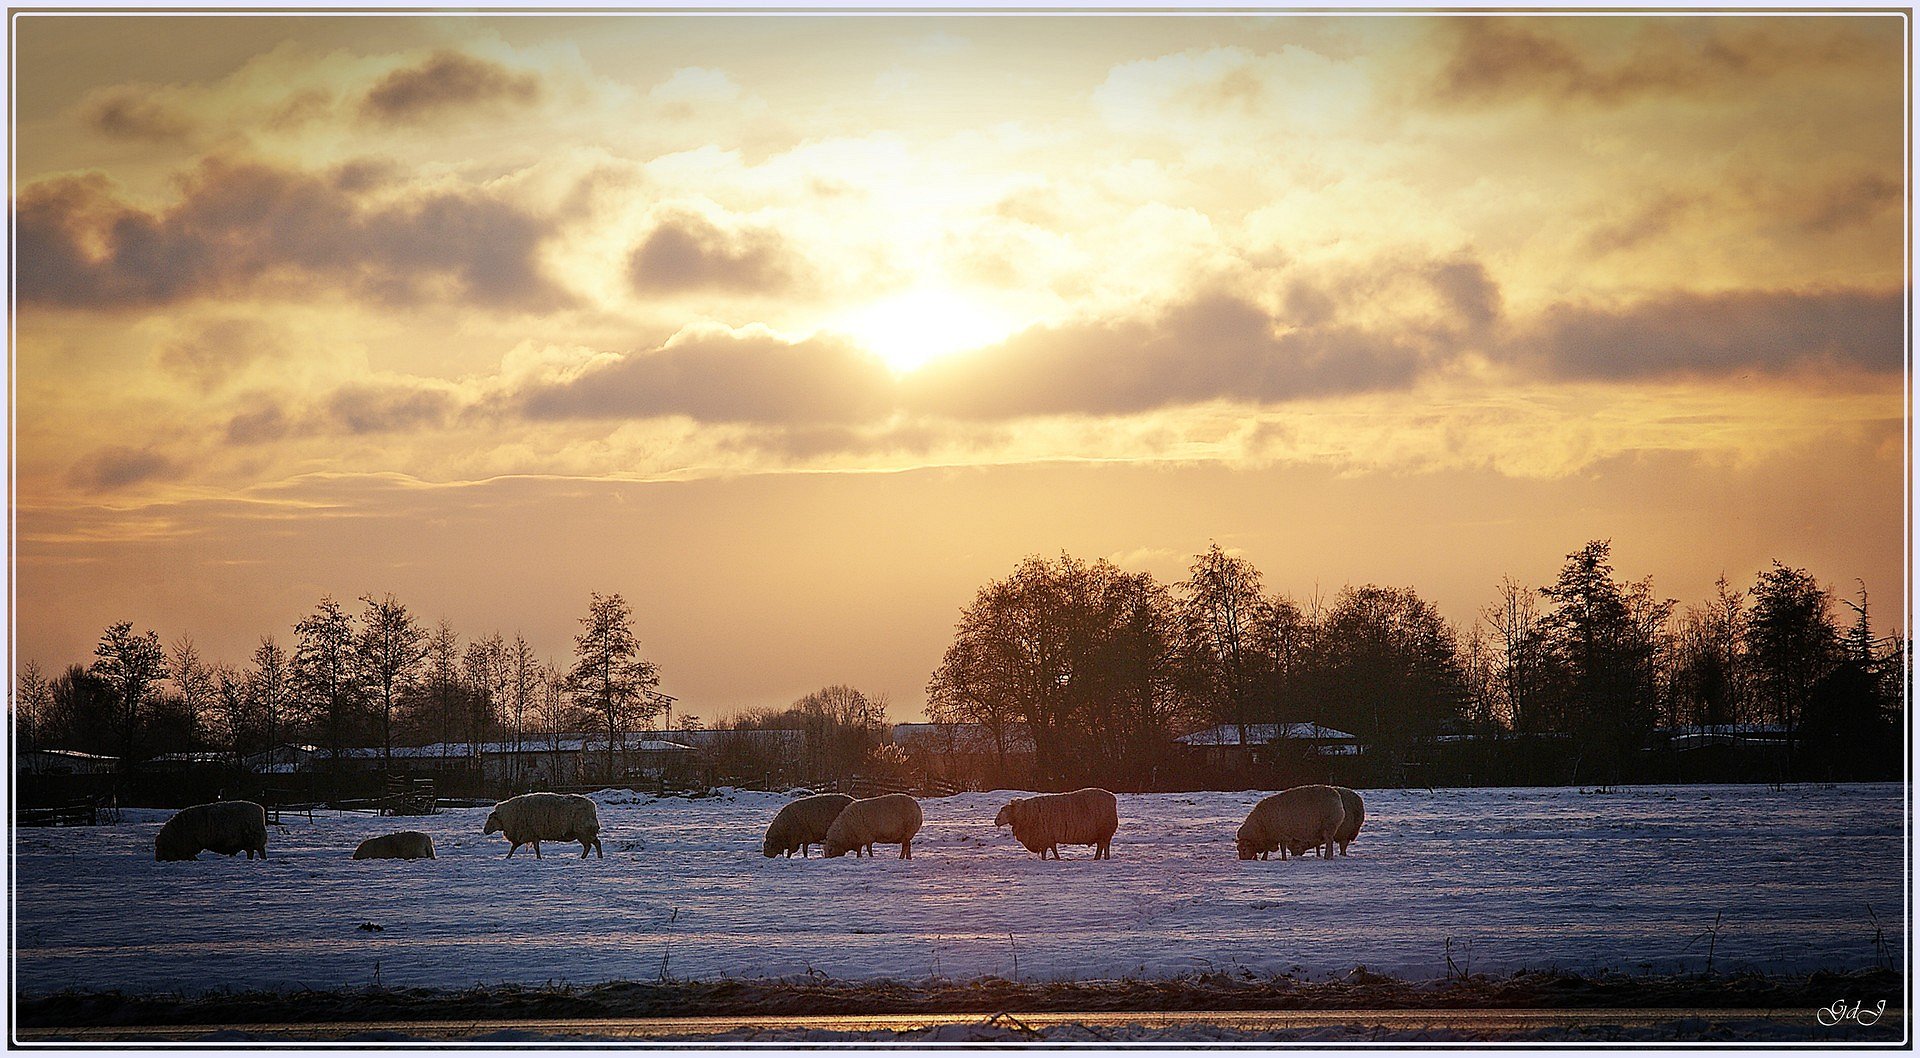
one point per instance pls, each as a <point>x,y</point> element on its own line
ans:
<point>1289,822</point>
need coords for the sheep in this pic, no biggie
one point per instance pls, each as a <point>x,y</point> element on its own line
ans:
<point>225,827</point>
<point>1300,818</point>
<point>802,823</point>
<point>887,819</point>
<point>405,845</point>
<point>1355,813</point>
<point>530,819</point>
<point>1044,823</point>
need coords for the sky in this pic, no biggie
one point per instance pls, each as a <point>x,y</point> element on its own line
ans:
<point>797,330</point>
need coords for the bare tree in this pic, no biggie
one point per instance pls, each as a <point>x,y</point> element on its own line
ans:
<point>195,683</point>
<point>324,689</point>
<point>485,668</point>
<point>130,664</point>
<point>1521,653</point>
<point>32,705</point>
<point>1222,615</point>
<point>270,691</point>
<point>610,680</point>
<point>389,652</point>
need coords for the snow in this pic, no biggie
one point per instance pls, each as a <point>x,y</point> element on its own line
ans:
<point>1500,879</point>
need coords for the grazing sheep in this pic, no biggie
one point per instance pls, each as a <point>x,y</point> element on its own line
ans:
<point>1044,823</point>
<point>225,827</point>
<point>405,845</point>
<point>803,822</point>
<point>885,819</point>
<point>530,819</point>
<point>1301,818</point>
<point>1355,813</point>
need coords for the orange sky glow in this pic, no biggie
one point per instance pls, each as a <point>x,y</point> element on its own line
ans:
<point>796,330</point>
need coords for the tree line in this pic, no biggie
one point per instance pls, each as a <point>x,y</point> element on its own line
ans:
<point>379,676</point>
<point>1102,668</point>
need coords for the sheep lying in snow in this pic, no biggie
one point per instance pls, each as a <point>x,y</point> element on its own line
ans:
<point>530,819</point>
<point>1355,813</point>
<point>803,822</point>
<point>225,827</point>
<point>405,845</point>
<point>885,819</point>
<point>1301,818</point>
<point>1048,821</point>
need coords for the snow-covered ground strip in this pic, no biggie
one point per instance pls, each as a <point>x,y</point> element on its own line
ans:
<point>1501,879</point>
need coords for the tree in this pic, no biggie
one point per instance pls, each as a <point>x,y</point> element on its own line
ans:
<point>232,712</point>
<point>1388,667</point>
<point>1225,655</point>
<point>442,700</point>
<point>485,668</point>
<point>83,714</point>
<point>323,685</point>
<point>1082,655</point>
<point>1792,644</point>
<point>609,679</point>
<point>269,691</point>
<point>1709,669</point>
<point>389,652</point>
<point>32,705</point>
<point>1606,640</point>
<point>523,686</point>
<point>1521,662</point>
<point>195,683</point>
<point>130,664</point>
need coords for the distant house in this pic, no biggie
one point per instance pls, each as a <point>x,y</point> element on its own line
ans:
<point>1222,745</point>
<point>64,762</point>
<point>1703,736</point>
<point>183,762</point>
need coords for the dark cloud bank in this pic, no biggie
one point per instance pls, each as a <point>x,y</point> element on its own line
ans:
<point>243,225</point>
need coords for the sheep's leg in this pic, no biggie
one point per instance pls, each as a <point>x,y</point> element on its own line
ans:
<point>536,851</point>
<point>514,849</point>
<point>906,850</point>
<point>599,850</point>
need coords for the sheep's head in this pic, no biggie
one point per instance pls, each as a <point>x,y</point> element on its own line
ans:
<point>831,848</point>
<point>771,847</point>
<point>1245,845</point>
<point>493,824</point>
<point>1005,818</point>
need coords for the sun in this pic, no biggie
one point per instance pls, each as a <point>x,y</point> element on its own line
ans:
<point>910,330</point>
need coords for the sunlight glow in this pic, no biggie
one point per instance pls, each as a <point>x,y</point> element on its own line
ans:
<point>911,330</point>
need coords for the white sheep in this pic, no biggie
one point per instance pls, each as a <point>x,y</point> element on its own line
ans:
<point>801,823</point>
<point>885,819</point>
<point>405,845</point>
<point>225,827</point>
<point>1047,821</point>
<point>530,819</point>
<point>1354,813</point>
<point>1297,819</point>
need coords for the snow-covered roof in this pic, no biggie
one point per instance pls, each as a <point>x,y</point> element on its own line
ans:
<point>1725,729</point>
<point>1262,734</point>
<point>74,754</point>
<point>191,758</point>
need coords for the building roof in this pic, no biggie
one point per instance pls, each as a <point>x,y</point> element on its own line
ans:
<point>1263,734</point>
<point>73,754</point>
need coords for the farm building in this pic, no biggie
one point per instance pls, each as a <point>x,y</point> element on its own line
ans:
<point>64,762</point>
<point>1265,743</point>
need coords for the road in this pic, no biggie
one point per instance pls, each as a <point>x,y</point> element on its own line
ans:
<point>1165,1026</point>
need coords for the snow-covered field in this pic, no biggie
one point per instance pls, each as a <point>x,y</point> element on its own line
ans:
<point>1501,879</point>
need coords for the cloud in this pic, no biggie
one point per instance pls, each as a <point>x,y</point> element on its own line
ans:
<point>217,351</point>
<point>249,226</point>
<point>133,113</point>
<point>119,467</point>
<point>685,251</point>
<point>365,408</point>
<point>447,82</point>
<point>1200,94</point>
<point>265,422</point>
<point>1572,60</point>
<point>1853,201</point>
<point>1731,333</point>
<point>1212,347</point>
<point>716,375</point>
